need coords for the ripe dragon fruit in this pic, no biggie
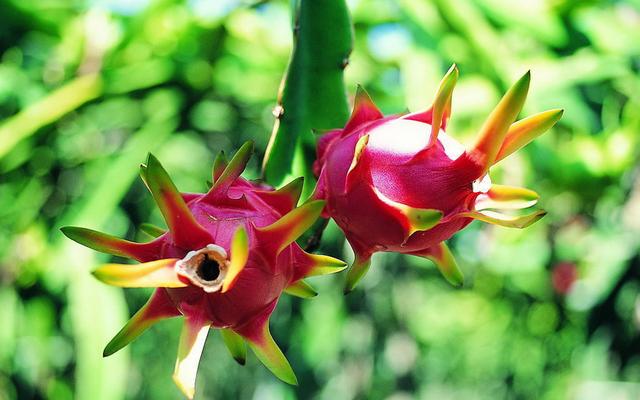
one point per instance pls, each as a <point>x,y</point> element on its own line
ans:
<point>401,184</point>
<point>224,262</point>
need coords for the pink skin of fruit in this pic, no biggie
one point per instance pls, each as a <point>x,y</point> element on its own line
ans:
<point>393,185</point>
<point>224,262</point>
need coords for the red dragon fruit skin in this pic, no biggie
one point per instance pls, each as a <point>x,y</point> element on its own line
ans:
<point>224,262</point>
<point>401,184</point>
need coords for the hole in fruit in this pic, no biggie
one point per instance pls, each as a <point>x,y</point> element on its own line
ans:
<point>205,268</point>
<point>209,269</point>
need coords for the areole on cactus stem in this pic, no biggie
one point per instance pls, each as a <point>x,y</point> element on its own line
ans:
<point>401,184</point>
<point>223,263</point>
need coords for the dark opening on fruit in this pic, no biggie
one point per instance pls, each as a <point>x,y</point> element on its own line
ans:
<point>209,269</point>
<point>205,268</point>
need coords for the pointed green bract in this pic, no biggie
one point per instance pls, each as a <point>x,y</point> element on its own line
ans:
<point>234,169</point>
<point>143,175</point>
<point>158,307</point>
<point>527,129</point>
<point>443,259</point>
<point>422,219</point>
<point>192,339</point>
<point>152,230</point>
<point>441,108</point>
<point>286,198</point>
<point>357,153</point>
<point>292,190</point>
<point>301,289</point>
<point>219,165</point>
<point>352,177</point>
<point>504,197</point>
<point>319,264</point>
<point>357,271</point>
<point>235,344</point>
<point>239,257</point>
<point>495,128</point>
<point>509,221</point>
<point>158,273</point>
<point>186,231</point>
<point>417,219</point>
<point>364,110</point>
<point>269,354</point>
<point>105,243</point>
<point>287,229</point>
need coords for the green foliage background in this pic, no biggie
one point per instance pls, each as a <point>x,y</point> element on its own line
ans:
<point>88,87</point>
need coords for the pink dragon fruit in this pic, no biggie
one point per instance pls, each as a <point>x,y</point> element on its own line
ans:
<point>226,259</point>
<point>401,184</point>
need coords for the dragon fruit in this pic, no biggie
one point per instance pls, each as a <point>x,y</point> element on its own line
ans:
<point>225,260</point>
<point>401,184</point>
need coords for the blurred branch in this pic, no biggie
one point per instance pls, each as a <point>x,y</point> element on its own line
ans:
<point>48,109</point>
<point>78,92</point>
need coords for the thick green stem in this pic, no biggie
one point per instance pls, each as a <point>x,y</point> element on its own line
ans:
<point>312,95</point>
